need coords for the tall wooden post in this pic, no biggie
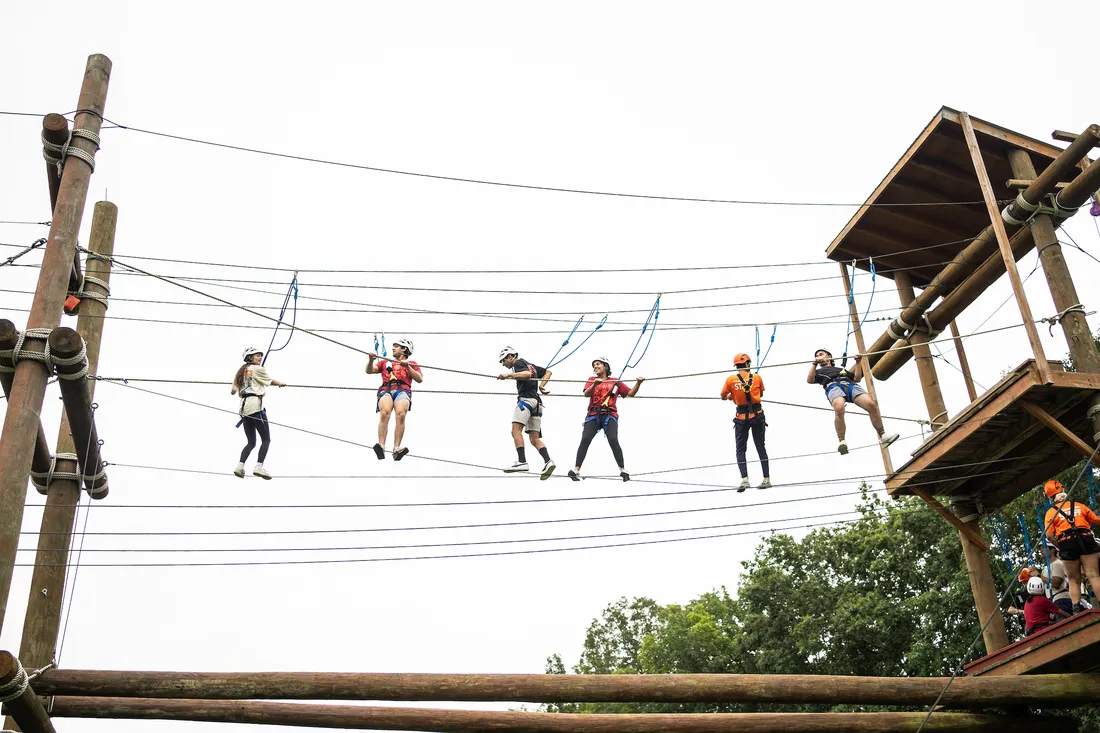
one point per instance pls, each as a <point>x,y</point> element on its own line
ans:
<point>926,368</point>
<point>853,312</point>
<point>1075,327</point>
<point>1005,247</point>
<point>43,620</point>
<point>981,582</point>
<point>964,363</point>
<point>29,382</point>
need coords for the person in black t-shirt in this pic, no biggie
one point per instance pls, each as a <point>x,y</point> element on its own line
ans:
<point>530,381</point>
<point>841,387</point>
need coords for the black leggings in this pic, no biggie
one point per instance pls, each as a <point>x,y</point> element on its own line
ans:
<point>610,429</point>
<point>255,424</point>
<point>741,432</point>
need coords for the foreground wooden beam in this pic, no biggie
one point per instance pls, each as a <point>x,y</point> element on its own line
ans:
<point>26,710</point>
<point>1046,690</point>
<point>477,721</point>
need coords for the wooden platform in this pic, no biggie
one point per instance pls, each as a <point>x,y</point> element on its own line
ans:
<point>1071,645</point>
<point>995,449</point>
<point>936,168</point>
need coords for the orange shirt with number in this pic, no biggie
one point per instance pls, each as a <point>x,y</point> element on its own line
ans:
<point>1083,517</point>
<point>734,389</point>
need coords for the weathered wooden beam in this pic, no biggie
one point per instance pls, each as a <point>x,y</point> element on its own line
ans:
<point>926,368</point>
<point>67,345</point>
<point>1061,430</point>
<point>986,600</point>
<point>26,709</point>
<point>964,363</point>
<point>477,721</point>
<point>1061,689</point>
<point>1025,182</point>
<point>40,460</point>
<point>971,533</point>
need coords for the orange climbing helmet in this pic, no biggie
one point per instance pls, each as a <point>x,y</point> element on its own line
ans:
<point>1052,487</point>
<point>740,359</point>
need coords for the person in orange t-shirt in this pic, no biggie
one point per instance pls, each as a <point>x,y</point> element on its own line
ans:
<point>1069,526</point>
<point>747,390</point>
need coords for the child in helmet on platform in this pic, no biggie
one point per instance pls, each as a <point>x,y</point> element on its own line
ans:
<point>603,394</point>
<point>530,381</point>
<point>395,394</point>
<point>1037,608</point>
<point>841,388</point>
<point>251,383</point>
<point>746,390</point>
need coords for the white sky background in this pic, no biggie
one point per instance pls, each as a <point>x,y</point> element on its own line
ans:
<point>799,104</point>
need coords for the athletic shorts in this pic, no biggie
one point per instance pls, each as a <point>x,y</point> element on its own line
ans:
<point>835,391</point>
<point>395,395</point>
<point>1072,548</point>
<point>530,417</point>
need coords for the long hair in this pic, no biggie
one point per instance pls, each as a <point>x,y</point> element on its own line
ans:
<point>239,379</point>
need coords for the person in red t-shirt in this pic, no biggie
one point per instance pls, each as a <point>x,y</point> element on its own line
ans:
<point>395,394</point>
<point>1037,608</point>
<point>603,393</point>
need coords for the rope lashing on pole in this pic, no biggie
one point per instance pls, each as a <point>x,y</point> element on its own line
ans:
<point>851,301</point>
<point>771,343</point>
<point>14,689</point>
<point>1054,320</point>
<point>291,292</point>
<point>66,150</point>
<point>554,360</point>
<point>654,314</point>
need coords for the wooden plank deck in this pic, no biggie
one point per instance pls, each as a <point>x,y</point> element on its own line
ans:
<point>1071,645</point>
<point>995,450</point>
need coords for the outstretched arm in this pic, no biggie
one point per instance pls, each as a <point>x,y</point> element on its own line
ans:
<point>637,383</point>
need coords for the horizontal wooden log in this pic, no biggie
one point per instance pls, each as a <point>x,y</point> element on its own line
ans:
<point>1059,689</point>
<point>1024,183</point>
<point>478,721</point>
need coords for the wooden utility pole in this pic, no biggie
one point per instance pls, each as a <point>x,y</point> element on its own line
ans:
<point>29,381</point>
<point>926,368</point>
<point>1005,247</point>
<point>853,313</point>
<point>982,587</point>
<point>43,621</point>
<point>1075,327</point>
<point>964,363</point>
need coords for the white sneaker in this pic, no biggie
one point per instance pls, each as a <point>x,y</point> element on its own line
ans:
<point>765,484</point>
<point>547,469</point>
<point>239,470</point>
<point>261,472</point>
<point>744,485</point>
<point>843,448</point>
<point>517,467</point>
<point>886,440</point>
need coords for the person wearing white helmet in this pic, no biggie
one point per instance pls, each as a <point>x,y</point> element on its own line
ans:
<point>250,383</point>
<point>395,394</point>
<point>603,393</point>
<point>530,381</point>
<point>841,387</point>
<point>1037,608</point>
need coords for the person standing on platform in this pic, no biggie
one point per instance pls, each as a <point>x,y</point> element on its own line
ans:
<point>841,387</point>
<point>395,395</point>
<point>746,390</point>
<point>1037,608</point>
<point>1068,525</point>
<point>530,382</point>
<point>251,383</point>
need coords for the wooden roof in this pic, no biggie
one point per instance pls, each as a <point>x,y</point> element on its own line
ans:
<point>1071,645</point>
<point>935,169</point>
<point>995,450</point>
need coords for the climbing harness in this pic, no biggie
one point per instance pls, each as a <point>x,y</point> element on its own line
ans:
<point>851,301</point>
<point>759,361</point>
<point>751,408</point>
<point>554,360</point>
<point>291,292</point>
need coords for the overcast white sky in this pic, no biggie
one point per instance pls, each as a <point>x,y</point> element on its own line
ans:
<point>799,103</point>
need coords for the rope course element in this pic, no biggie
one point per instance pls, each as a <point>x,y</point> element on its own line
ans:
<point>33,246</point>
<point>292,292</point>
<point>55,154</point>
<point>14,688</point>
<point>29,223</point>
<point>1057,318</point>
<point>554,360</point>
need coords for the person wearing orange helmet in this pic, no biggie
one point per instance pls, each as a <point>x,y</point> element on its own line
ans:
<point>1068,525</point>
<point>746,390</point>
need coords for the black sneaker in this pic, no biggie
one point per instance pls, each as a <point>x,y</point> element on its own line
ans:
<point>400,453</point>
<point>624,475</point>
<point>379,451</point>
<point>574,475</point>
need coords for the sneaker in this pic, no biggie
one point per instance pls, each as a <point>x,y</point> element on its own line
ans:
<point>1078,608</point>
<point>624,475</point>
<point>886,440</point>
<point>574,475</point>
<point>379,451</point>
<point>744,484</point>
<point>399,453</point>
<point>517,467</point>
<point>547,469</point>
<point>843,448</point>
<point>239,470</point>
<point>261,472</point>
<point>765,484</point>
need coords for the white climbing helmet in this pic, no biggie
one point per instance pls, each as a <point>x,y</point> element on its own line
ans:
<point>405,344</point>
<point>506,352</point>
<point>605,362</point>
<point>250,351</point>
<point>1035,586</point>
